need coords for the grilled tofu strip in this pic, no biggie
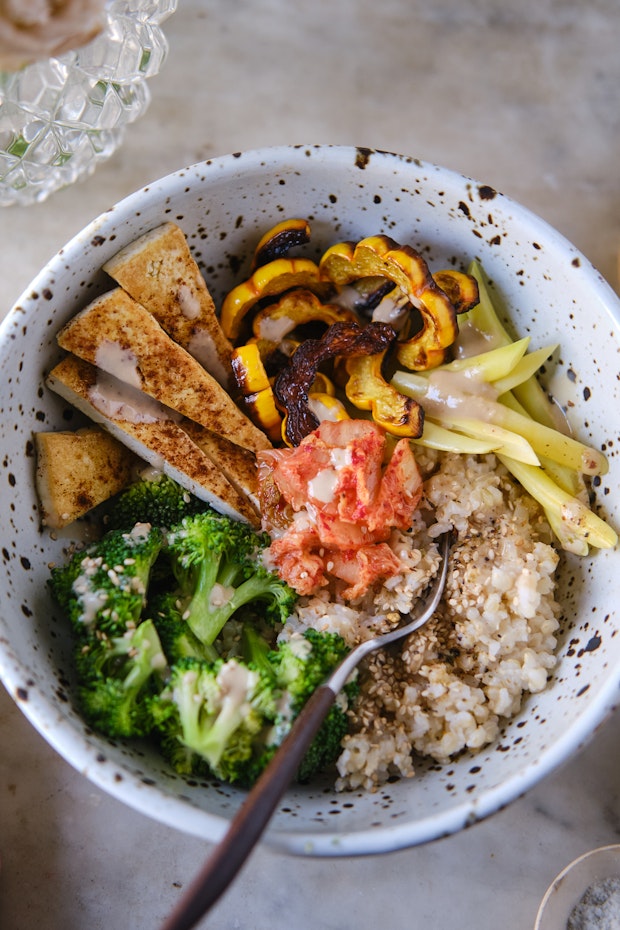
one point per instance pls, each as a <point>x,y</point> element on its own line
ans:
<point>115,333</point>
<point>239,465</point>
<point>159,271</point>
<point>151,431</point>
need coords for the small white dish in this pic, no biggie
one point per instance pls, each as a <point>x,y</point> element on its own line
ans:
<point>571,884</point>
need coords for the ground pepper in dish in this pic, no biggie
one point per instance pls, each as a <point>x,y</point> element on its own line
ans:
<point>599,908</point>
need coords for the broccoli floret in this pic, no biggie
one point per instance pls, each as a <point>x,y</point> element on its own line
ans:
<point>214,714</point>
<point>158,500</point>
<point>228,717</point>
<point>103,587</point>
<point>326,745</point>
<point>257,652</point>
<point>176,637</point>
<point>302,663</point>
<point>305,660</point>
<point>297,668</point>
<point>216,562</point>
<point>116,675</point>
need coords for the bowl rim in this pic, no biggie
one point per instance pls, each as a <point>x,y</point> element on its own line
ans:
<point>153,801</point>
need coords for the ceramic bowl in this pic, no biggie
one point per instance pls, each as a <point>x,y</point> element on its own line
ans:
<point>224,205</point>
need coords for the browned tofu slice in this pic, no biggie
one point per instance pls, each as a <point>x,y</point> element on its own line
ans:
<point>239,465</point>
<point>159,271</point>
<point>149,431</point>
<point>118,335</point>
<point>78,470</point>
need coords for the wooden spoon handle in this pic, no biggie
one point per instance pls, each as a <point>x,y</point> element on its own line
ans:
<point>253,816</point>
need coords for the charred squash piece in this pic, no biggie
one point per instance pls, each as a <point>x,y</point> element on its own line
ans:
<point>292,386</point>
<point>323,385</point>
<point>278,240</point>
<point>367,389</point>
<point>460,288</point>
<point>269,280</point>
<point>380,255</point>
<point>248,369</point>
<point>326,407</point>
<point>261,409</point>
<point>296,308</point>
<point>257,394</point>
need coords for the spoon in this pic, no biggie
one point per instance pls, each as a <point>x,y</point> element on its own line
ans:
<point>253,816</point>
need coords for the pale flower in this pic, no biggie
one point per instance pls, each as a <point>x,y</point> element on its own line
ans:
<point>35,29</point>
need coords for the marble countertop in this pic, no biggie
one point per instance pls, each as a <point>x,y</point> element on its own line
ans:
<point>524,97</point>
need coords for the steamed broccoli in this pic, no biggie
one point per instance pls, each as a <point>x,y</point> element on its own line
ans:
<point>116,675</point>
<point>158,500</point>
<point>229,717</point>
<point>302,663</point>
<point>176,637</point>
<point>216,562</point>
<point>298,666</point>
<point>102,589</point>
<point>214,715</point>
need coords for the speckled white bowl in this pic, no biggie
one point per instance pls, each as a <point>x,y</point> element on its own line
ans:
<point>224,205</point>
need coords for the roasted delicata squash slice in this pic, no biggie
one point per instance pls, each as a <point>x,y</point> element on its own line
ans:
<point>279,240</point>
<point>327,407</point>
<point>297,307</point>
<point>292,385</point>
<point>367,389</point>
<point>269,280</point>
<point>255,388</point>
<point>262,410</point>
<point>248,369</point>
<point>380,255</point>
<point>461,288</point>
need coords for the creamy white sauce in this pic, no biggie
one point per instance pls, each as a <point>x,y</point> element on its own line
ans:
<point>347,297</point>
<point>274,328</point>
<point>236,681</point>
<point>119,401</point>
<point>188,302</point>
<point>456,390</point>
<point>392,310</point>
<point>220,595</point>
<point>91,602</point>
<point>473,341</point>
<point>299,645</point>
<point>119,362</point>
<point>150,472</point>
<point>203,349</point>
<point>139,532</point>
<point>340,458</point>
<point>323,486</point>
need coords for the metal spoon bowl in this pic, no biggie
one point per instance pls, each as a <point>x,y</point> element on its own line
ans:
<point>254,814</point>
